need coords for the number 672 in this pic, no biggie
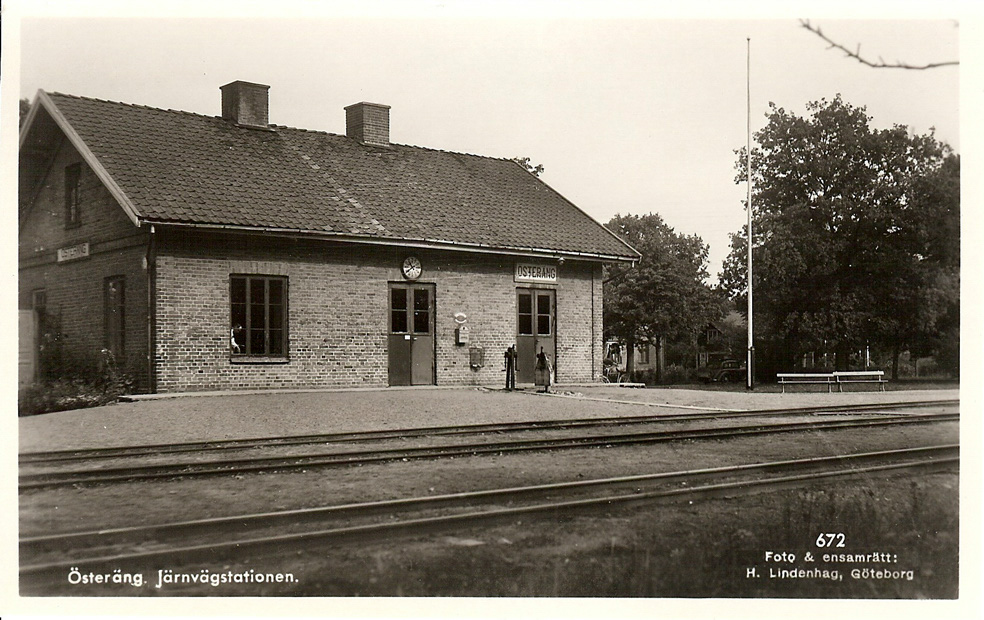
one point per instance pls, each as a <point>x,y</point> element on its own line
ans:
<point>831,540</point>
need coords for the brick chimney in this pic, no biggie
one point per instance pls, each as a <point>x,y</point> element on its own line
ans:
<point>246,104</point>
<point>368,123</point>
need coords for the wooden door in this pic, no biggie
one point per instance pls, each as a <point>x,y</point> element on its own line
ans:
<point>535,329</point>
<point>411,334</point>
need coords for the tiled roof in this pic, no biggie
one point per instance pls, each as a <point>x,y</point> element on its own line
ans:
<point>178,167</point>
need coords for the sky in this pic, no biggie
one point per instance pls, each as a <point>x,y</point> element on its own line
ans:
<point>629,111</point>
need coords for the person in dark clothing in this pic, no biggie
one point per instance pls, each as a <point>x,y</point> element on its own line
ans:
<point>543,370</point>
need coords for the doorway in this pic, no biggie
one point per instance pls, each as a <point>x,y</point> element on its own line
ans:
<point>411,334</point>
<point>536,311</point>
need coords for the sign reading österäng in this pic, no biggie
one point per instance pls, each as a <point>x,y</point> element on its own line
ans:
<point>527,272</point>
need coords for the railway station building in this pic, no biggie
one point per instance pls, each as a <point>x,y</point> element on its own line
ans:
<point>226,252</point>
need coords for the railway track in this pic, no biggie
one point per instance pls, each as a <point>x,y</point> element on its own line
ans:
<point>63,477</point>
<point>92,454</point>
<point>52,556</point>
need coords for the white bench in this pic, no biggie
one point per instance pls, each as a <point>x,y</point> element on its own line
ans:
<point>838,378</point>
<point>860,376</point>
<point>805,377</point>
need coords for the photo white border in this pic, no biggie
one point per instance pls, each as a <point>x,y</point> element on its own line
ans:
<point>972,403</point>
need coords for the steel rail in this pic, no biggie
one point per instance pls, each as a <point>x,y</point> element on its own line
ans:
<point>847,464</point>
<point>471,429</point>
<point>321,459</point>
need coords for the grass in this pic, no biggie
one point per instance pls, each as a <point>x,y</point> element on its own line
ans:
<point>680,551</point>
<point>689,551</point>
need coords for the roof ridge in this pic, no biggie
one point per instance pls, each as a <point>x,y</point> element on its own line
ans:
<point>315,131</point>
<point>398,144</point>
<point>130,105</point>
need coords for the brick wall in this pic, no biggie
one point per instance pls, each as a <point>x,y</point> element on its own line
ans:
<point>368,122</point>
<point>74,289</point>
<point>579,334</point>
<point>338,313</point>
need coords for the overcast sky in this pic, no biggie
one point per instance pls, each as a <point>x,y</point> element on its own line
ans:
<point>628,112</point>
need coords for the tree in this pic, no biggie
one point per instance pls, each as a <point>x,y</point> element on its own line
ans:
<point>525,163</point>
<point>664,295</point>
<point>25,107</point>
<point>734,333</point>
<point>922,306</point>
<point>880,63</point>
<point>854,235</point>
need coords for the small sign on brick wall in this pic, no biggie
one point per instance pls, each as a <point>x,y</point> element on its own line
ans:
<point>528,272</point>
<point>73,252</point>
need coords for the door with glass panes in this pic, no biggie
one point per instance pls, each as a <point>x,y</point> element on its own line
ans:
<point>535,330</point>
<point>411,334</point>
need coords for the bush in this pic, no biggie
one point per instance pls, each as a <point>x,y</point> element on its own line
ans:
<point>88,383</point>
<point>647,376</point>
<point>677,374</point>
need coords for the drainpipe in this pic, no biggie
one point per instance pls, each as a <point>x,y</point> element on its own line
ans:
<point>152,311</point>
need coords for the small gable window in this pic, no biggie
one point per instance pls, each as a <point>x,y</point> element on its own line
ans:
<point>73,175</point>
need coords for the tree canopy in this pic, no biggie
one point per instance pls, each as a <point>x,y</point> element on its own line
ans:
<point>855,234</point>
<point>664,295</point>
<point>525,163</point>
<point>25,107</point>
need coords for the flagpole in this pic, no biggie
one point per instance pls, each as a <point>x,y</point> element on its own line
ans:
<point>749,373</point>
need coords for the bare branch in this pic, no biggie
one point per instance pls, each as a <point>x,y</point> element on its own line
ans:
<point>881,64</point>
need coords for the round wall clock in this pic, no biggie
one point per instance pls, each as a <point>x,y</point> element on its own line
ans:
<point>412,268</point>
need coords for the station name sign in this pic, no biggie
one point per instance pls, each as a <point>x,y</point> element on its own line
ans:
<point>73,252</point>
<point>528,272</point>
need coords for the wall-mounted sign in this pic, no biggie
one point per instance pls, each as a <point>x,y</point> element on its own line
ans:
<point>476,357</point>
<point>73,252</point>
<point>527,272</point>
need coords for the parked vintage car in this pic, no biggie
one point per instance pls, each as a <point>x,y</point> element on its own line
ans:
<point>726,371</point>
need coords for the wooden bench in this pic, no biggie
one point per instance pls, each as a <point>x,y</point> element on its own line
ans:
<point>838,378</point>
<point>860,376</point>
<point>785,378</point>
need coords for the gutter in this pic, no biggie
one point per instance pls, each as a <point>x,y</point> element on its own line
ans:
<point>432,244</point>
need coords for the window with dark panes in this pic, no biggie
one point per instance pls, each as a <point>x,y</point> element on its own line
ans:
<point>525,314</point>
<point>73,177</point>
<point>39,301</point>
<point>258,312</point>
<point>398,313</point>
<point>543,315</point>
<point>421,311</point>
<point>114,294</point>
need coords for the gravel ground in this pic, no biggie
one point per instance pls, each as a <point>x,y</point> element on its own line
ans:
<point>225,416</point>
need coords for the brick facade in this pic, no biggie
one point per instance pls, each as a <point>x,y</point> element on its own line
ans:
<point>74,289</point>
<point>338,313</point>
<point>177,310</point>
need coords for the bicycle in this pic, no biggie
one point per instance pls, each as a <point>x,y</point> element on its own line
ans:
<point>611,373</point>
